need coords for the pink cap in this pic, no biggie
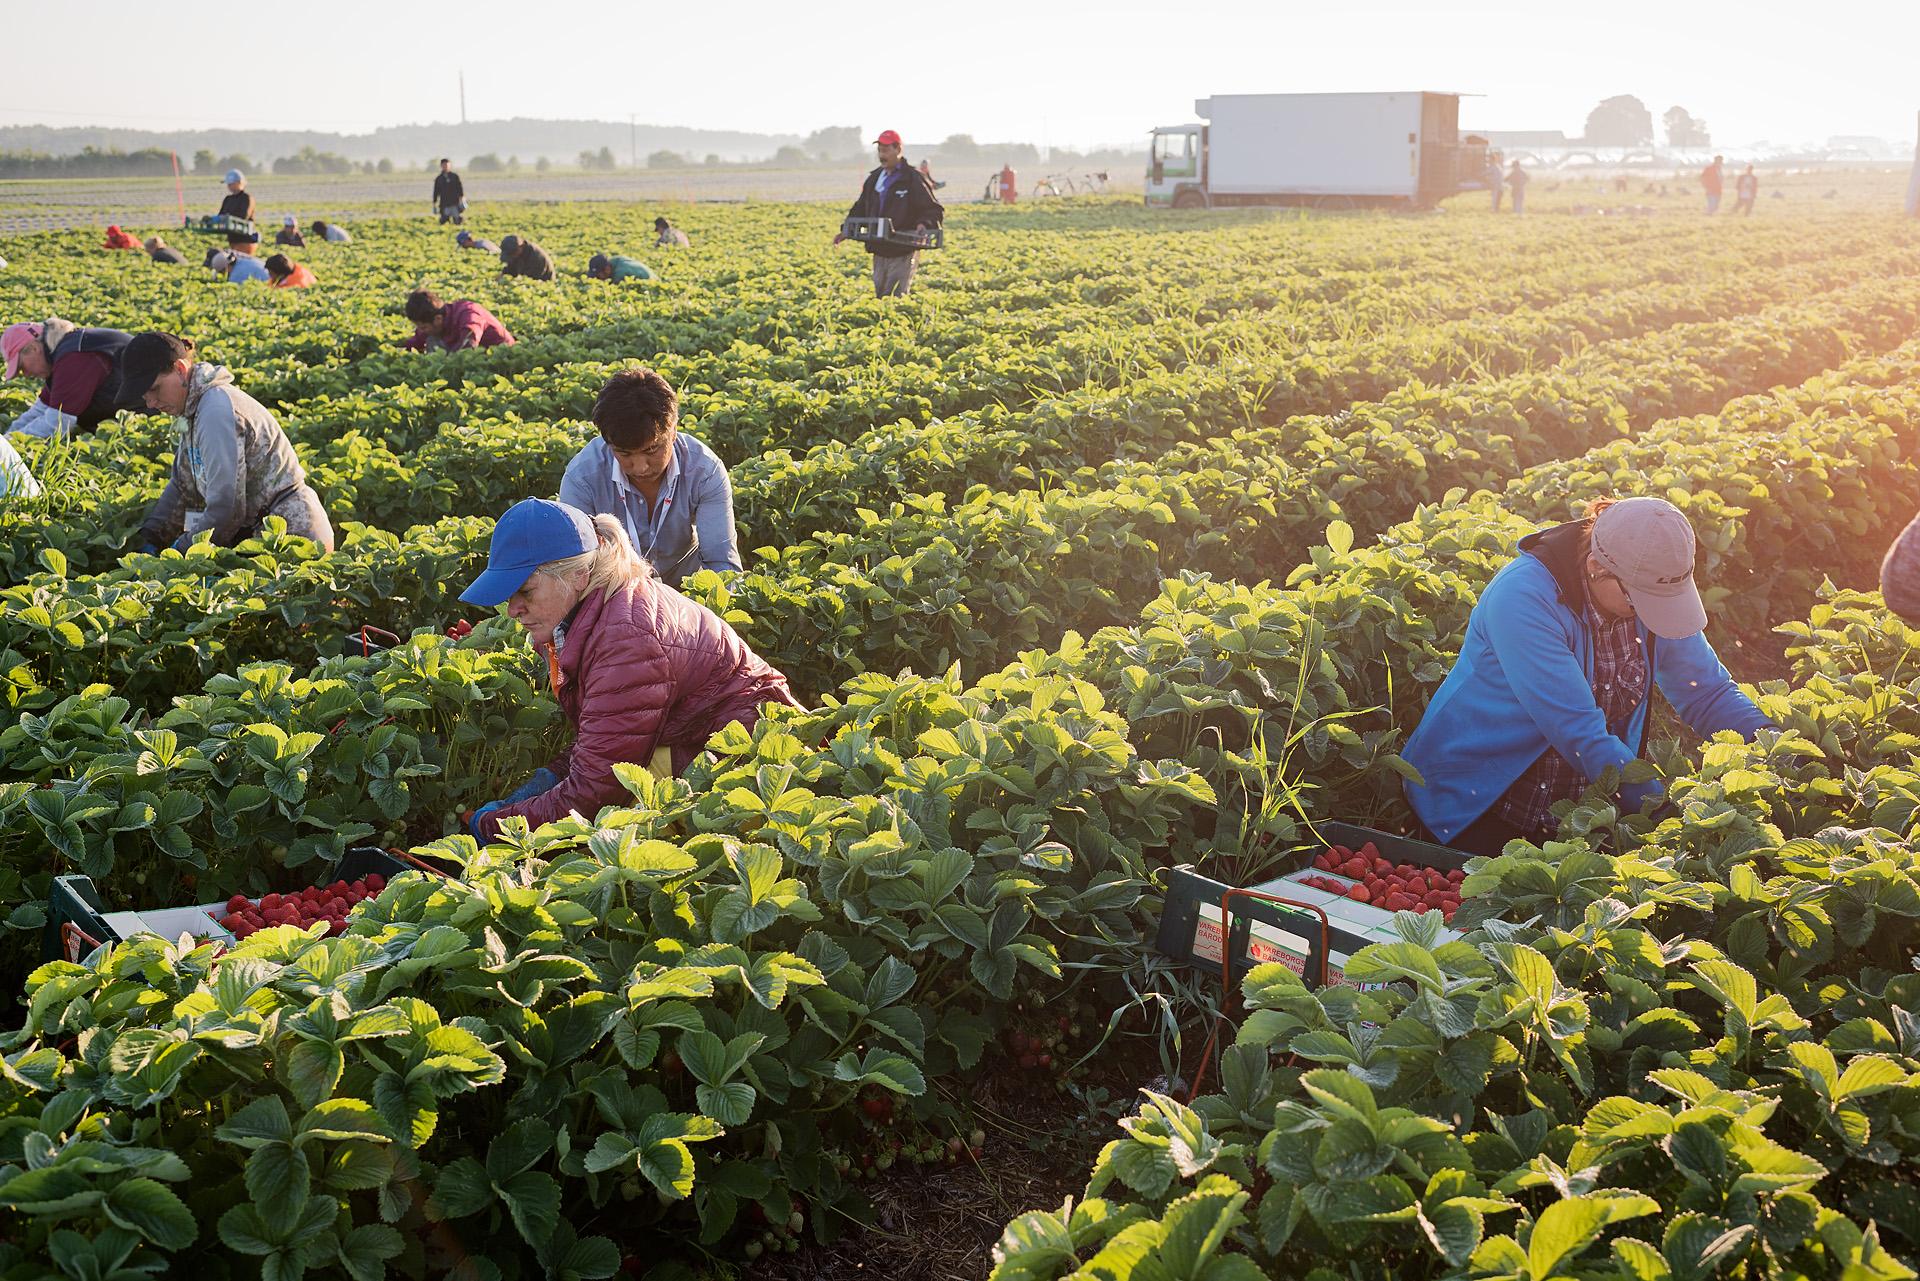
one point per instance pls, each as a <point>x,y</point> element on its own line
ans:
<point>14,340</point>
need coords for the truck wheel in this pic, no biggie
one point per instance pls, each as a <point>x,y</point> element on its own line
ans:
<point>1189,200</point>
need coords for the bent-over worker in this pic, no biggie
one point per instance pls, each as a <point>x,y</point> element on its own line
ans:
<point>232,466</point>
<point>669,491</point>
<point>637,668</point>
<point>1556,676</point>
<point>83,370</point>
<point>451,326</point>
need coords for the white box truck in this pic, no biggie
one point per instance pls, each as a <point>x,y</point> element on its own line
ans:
<point>1332,150</point>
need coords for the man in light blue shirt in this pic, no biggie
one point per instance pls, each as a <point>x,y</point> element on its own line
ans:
<point>669,490</point>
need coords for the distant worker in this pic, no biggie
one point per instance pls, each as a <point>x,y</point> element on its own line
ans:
<point>449,197</point>
<point>1900,575</point>
<point>665,233</point>
<point>467,240</point>
<point>118,239</point>
<point>284,273</point>
<point>926,171</point>
<point>16,478</point>
<point>238,203</point>
<point>1713,182</point>
<point>1496,185</point>
<point>289,237</point>
<point>83,370</point>
<point>1746,188</point>
<point>617,267</point>
<point>1009,189</point>
<point>521,257</point>
<point>160,251</point>
<point>451,326</point>
<point>895,191</point>
<point>232,467</point>
<point>1517,181</point>
<point>235,267</point>
<point>645,676</point>
<point>333,233</point>
<point>669,491</point>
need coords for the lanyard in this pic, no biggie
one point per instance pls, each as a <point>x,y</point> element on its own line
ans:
<point>644,545</point>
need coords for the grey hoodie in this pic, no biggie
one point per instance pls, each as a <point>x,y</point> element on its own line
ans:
<point>232,468</point>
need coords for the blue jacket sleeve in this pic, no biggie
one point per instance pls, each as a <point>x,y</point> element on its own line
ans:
<point>576,490</point>
<point>1530,639</point>
<point>1700,688</point>
<point>713,518</point>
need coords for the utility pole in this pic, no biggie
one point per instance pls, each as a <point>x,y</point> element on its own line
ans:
<point>463,95</point>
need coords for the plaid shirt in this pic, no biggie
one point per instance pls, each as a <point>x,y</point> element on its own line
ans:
<point>1619,687</point>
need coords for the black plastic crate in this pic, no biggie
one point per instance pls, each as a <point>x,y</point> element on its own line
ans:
<point>78,921</point>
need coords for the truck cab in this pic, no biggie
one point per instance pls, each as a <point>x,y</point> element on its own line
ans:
<point>1174,164</point>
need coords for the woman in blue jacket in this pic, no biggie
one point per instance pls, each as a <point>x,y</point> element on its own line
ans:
<point>1554,680</point>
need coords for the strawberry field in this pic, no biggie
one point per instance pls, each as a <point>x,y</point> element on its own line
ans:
<point>1130,541</point>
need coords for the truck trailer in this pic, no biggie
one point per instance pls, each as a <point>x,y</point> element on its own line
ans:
<point>1332,150</point>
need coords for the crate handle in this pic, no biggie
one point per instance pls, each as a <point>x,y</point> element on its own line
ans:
<point>1226,966</point>
<point>71,937</point>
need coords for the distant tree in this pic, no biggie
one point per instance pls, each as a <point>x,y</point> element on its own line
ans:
<point>836,142</point>
<point>665,160</point>
<point>309,161</point>
<point>542,165</point>
<point>603,159</point>
<point>487,163</point>
<point>790,155</point>
<point>234,161</point>
<point>713,158</point>
<point>385,166</point>
<point>1684,130</point>
<point>513,164</point>
<point>959,146</point>
<point>204,161</point>
<point>1620,121</point>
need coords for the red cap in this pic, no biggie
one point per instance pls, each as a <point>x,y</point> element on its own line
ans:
<point>887,138</point>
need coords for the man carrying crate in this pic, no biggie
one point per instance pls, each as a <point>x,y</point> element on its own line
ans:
<point>899,193</point>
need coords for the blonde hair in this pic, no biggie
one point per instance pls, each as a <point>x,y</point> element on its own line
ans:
<point>608,567</point>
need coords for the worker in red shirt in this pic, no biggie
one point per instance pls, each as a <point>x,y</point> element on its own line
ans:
<point>1007,192</point>
<point>1713,181</point>
<point>81,369</point>
<point>118,239</point>
<point>452,326</point>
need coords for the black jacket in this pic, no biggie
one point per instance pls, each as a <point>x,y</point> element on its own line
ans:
<point>909,203</point>
<point>447,190</point>
<point>109,399</point>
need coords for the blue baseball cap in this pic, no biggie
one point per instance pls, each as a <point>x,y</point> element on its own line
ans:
<point>534,532</point>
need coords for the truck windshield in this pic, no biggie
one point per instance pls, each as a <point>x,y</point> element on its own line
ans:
<point>1174,152</point>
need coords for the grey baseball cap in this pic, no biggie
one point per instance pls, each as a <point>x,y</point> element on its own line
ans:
<point>1647,543</point>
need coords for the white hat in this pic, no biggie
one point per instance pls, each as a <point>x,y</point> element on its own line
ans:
<point>289,221</point>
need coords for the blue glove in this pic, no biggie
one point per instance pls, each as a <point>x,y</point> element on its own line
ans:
<point>148,549</point>
<point>473,824</point>
<point>543,780</point>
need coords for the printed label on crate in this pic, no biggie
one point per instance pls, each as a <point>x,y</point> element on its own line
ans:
<point>1265,943</point>
<point>1209,936</point>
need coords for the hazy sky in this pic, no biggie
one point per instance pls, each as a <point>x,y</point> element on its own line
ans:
<point>1060,71</point>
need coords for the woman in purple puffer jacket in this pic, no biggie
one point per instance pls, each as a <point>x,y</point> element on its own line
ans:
<point>637,667</point>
